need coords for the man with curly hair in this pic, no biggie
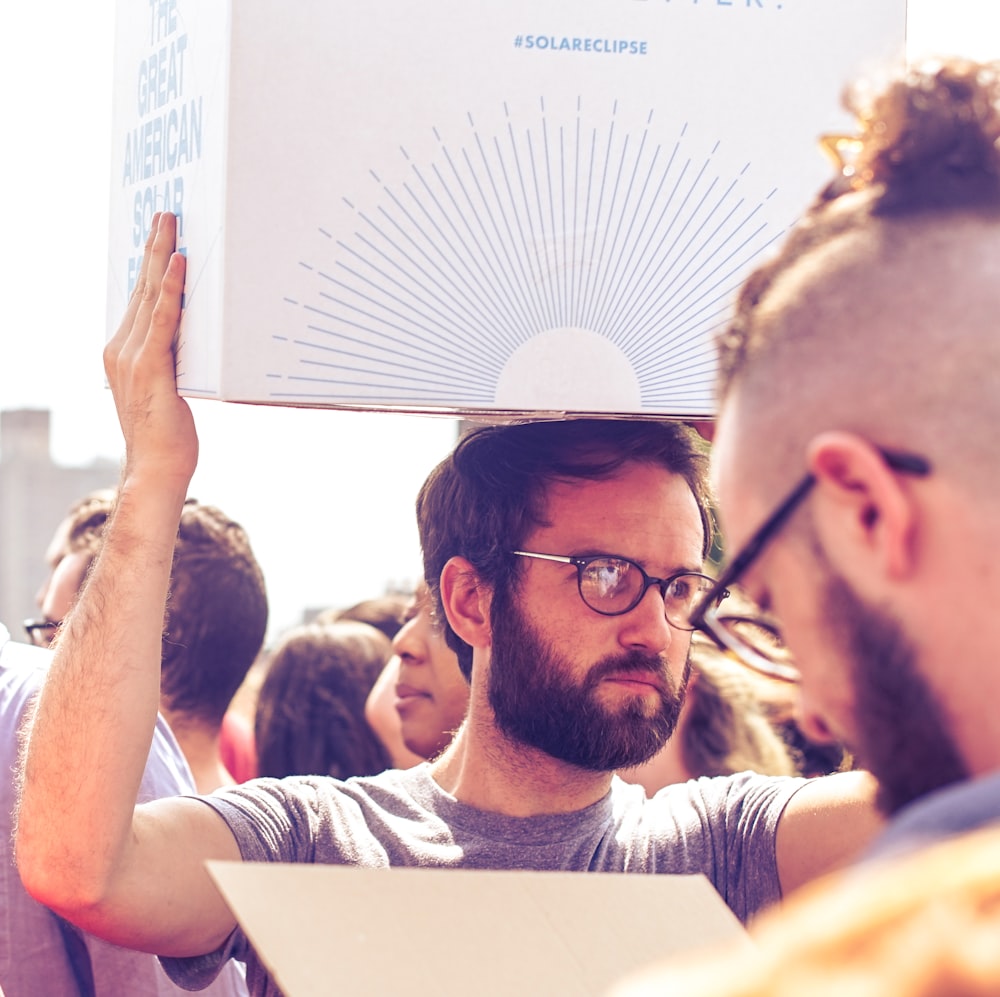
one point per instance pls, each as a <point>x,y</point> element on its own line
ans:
<point>858,473</point>
<point>855,453</point>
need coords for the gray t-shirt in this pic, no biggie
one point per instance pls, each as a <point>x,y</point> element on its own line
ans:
<point>722,827</point>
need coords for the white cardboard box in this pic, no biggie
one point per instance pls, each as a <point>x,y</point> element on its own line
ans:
<point>323,929</point>
<point>472,206</point>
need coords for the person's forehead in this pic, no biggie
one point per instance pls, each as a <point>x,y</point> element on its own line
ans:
<point>635,513</point>
<point>58,544</point>
<point>67,577</point>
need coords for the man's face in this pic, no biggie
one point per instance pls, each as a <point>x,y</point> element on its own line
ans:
<point>62,588</point>
<point>598,692</point>
<point>861,682</point>
<point>900,732</point>
<point>54,553</point>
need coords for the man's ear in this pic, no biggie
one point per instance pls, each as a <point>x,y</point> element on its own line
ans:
<point>466,599</point>
<point>862,508</point>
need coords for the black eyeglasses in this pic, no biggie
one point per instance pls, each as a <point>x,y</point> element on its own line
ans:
<point>613,586</point>
<point>738,634</point>
<point>41,632</point>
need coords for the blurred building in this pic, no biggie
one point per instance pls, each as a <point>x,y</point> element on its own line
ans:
<point>35,494</point>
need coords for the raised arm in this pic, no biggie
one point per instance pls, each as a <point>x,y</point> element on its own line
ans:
<point>133,875</point>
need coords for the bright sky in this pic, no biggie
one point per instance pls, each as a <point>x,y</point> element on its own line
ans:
<point>327,497</point>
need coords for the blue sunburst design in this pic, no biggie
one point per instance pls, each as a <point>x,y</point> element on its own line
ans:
<point>452,273</point>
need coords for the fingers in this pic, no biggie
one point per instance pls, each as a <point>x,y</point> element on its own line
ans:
<point>155,258</point>
<point>154,308</point>
<point>140,364</point>
<point>135,299</point>
<point>165,303</point>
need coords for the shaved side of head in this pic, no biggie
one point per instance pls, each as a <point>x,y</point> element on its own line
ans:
<point>891,330</point>
<point>880,315</point>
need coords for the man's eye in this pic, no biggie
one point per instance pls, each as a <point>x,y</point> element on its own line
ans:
<point>607,576</point>
<point>680,588</point>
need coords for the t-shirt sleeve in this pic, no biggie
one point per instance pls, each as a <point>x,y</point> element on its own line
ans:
<point>297,819</point>
<point>220,973</point>
<point>732,821</point>
<point>288,820</point>
<point>262,823</point>
<point>753,812</point>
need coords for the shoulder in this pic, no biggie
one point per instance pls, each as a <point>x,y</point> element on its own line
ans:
<point>712,797</point>
<point>317,818</point>
<point>167,772</point>
<point>731,807</point>
<point>962,806</point>
<point>22,672</point>
<point>724,827</point>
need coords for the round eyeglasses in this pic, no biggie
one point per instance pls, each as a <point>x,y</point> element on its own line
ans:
<point>613,586</point>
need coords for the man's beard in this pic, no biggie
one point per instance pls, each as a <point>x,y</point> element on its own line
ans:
<point>536,702</point>
<point>902,734</point>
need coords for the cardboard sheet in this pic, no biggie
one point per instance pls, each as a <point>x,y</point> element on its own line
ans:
<point>443,933</point>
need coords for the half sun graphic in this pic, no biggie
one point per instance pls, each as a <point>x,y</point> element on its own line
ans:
<point>584,260</point>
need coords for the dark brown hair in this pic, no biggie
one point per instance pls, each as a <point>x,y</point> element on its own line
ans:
<point>216,614</point>
<point>310,711</point>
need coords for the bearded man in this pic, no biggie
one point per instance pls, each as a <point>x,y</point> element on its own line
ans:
<point>566,558</point>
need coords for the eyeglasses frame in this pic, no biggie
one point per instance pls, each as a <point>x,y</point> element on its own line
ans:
<point>580,562</point>
<point>704,618</point>
<point>33,627</point>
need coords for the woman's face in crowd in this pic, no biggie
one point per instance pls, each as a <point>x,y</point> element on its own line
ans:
<point>431,693</point>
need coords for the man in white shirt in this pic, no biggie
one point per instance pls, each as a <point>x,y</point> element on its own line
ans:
<point>41,955</point>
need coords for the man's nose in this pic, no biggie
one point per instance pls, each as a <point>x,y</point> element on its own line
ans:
<point>645,627</point>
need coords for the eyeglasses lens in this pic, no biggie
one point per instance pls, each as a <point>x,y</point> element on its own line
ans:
<point>609,584</point>
<point>756,641</point>
<point>756,635</point>
<point>40,632</point>
<point>614,585</point>
<point>683,596</point>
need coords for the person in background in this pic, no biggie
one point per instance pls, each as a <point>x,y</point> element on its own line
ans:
<point>205,656</point>
<point>41,955</point>
<point>68,558</point>
<point>216,619</point>
<point>237,748</point>
<point>86,515</point>
<point>310,709</point>
<point>421,697</point>
<point>383,612</point>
